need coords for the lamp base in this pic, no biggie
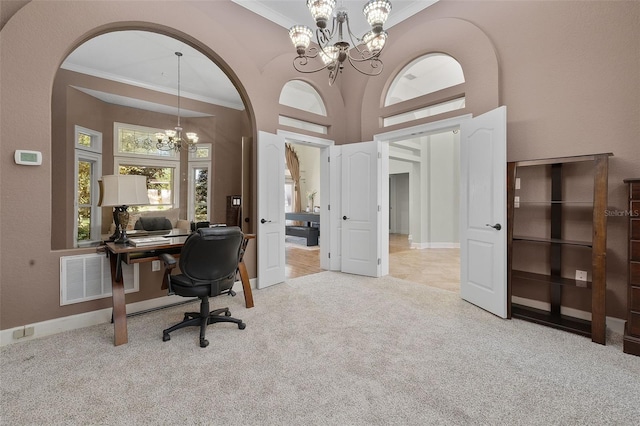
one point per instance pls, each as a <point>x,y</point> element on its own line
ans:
<point>121,218</point>
<point>122,239</point>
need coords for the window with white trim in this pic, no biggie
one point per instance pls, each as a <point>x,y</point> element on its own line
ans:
<point>199,197</point>
<point>302,96</point>
<point>423,76</point>
<point>136,154</point>
<point>88,169</point>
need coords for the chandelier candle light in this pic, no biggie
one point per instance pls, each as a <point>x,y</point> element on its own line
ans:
<point>172,139</point>
<point>332,48</point>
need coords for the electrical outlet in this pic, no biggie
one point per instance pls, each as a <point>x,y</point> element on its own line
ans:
<point>516,202</point>
<point>581,275</point>
<point>155,265</point>
<point>517,183</point>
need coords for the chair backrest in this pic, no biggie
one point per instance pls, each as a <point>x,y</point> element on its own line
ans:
<point>211,254</point>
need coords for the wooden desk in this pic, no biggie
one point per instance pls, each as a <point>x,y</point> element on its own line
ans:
<point>119,253</point>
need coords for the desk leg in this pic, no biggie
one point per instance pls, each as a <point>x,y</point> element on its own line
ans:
<point>246,285</point>
<point>119,306</point>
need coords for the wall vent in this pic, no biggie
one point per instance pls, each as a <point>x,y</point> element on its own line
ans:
<point>88,277</point>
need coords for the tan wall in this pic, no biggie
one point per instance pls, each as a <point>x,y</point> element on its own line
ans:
<point>567,71</point>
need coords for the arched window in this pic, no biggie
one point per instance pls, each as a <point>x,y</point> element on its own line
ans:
<point>423,76</point>
<point>302,96</point>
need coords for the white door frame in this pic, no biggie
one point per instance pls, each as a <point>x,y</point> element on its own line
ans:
<point>325,219</point>
<point>408,133</point>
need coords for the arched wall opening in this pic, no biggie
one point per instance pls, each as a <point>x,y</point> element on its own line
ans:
<point>93,99</point>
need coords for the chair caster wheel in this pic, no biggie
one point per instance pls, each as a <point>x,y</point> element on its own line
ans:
<point>166,337</point>
<point>242,326</point>
<point>227,313</point>
<point>204,343</point>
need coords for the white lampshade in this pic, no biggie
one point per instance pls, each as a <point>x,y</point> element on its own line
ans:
<point>375,42</point>
<point>377,12</point>
<point>123,190</point>
<point>300,37</point>
<point>321,10</point>
<point>329,54</point>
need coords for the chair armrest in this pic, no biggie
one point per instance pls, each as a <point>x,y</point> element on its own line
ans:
<point>169,265</point>
<point>169,261</point>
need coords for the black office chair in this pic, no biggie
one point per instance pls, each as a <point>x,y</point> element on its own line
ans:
<point>208,262</point>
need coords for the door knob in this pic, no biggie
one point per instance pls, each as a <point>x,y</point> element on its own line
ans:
<point>344,218</point>
<point>264,221</point>
<point>497,226</point>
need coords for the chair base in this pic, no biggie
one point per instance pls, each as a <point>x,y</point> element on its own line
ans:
<point>203,319</point>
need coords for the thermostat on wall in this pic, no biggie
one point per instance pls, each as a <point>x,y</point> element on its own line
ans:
<point>28,158</point>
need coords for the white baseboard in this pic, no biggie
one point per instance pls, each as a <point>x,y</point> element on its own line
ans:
<point>616,325</point>
<point>72,322</point>
<point>421,246</point>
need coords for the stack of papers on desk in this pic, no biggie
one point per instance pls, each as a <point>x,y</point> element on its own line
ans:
<point>147,241</point>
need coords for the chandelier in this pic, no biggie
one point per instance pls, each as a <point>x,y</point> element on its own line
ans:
<point>173,139</point>
<point>332,48</point>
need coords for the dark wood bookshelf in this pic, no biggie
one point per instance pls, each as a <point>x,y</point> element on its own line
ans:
<point>631,342</point>
<point>553,280</point>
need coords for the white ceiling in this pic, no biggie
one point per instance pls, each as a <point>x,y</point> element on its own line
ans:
<point>148,60</point>
<point>287,13</point>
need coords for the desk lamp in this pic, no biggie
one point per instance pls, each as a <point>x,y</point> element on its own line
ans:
<point>120,192</point>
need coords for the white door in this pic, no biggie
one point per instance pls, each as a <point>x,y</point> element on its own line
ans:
<point>335,209</point>
<point>270,238</point>
<point>360,208</point>
<point>483,211</point>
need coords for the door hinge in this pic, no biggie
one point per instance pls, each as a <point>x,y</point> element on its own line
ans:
<point>329,255</point>
<point>379,261</point>
<point>379,208</point>
<point>379,155</point>
<point>328,159</point>
<point>328,206</point>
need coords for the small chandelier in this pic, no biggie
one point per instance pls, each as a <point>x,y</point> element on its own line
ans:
<point>332,48</point>
<point>173,139</point>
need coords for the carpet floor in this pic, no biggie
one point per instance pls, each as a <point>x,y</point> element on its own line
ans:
<point>324,349</point>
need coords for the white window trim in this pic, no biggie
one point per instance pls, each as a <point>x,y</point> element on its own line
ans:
<point>170,155</point>
<point>90,154</point>
<point>96,139</point>
<point>139,161</point>
<point>191,213</point>
<point>208,146</point>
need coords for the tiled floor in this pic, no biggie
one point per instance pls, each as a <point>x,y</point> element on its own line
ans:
<point>434,267</point>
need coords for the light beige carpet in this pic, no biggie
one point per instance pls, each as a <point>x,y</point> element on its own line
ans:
<point>325,349</point>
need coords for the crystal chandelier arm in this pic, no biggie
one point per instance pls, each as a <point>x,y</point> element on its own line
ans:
<point>324,36</point>
<point>375,63</point>
<point>303,61</point>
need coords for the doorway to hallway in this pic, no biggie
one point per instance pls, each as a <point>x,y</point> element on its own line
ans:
<point>435,267</point>
<point>301,259</point>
